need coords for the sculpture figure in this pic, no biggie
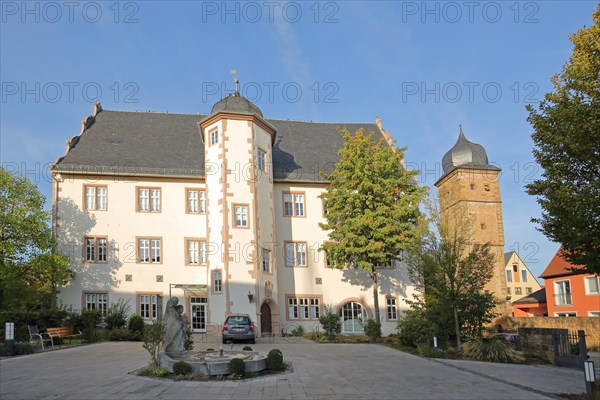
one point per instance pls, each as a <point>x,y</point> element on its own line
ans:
<point>175,329</point>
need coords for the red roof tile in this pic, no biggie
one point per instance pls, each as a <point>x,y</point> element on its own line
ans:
<point>558,266</point>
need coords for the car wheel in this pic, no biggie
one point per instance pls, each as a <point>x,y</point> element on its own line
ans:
<point>224,341</point>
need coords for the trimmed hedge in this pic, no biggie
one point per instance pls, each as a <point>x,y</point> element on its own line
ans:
<point>237,366</point>
<point>182,368</point>
<point>275,360</point>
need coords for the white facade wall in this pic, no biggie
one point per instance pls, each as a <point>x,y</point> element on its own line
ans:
<point>123,225</point>
<point>231,179</point>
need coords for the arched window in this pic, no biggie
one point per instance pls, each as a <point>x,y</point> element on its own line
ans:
<point>353,315</point>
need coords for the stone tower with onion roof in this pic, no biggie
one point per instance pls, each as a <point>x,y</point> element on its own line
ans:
<point>469,188</point>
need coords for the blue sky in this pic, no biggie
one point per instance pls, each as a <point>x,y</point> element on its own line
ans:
<point>422,67</point>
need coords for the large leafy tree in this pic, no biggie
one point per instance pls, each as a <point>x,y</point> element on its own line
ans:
<point>372,205</point>
<point>451,272</point>
<point>29,270</point>
<point>567,147</point>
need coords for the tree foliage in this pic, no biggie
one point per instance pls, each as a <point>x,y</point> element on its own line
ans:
<point>452,272</point>
<point>372,205</point>
<point>29,270</point>
<point>153,340</point>
<point>567,147</point>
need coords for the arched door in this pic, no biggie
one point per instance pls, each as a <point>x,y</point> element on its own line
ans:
<point>265,320</point>
<point>353,315</point>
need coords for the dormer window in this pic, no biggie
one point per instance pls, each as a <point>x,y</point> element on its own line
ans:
<point>214,137</point>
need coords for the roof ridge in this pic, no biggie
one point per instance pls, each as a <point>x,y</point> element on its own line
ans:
<point>313,122</point>
<point>268,119</point>
<point>153,112</point>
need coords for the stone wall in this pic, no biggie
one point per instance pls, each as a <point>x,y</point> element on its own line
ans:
<point>538,342</point>
<point>591,325</point>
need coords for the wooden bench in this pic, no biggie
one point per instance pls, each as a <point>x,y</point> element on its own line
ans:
<point>65,332</point>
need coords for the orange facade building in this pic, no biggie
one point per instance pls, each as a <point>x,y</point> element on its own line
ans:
<point>569,292</point>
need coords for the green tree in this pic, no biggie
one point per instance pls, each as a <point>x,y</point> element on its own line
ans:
<point>372,205</point>
<point>29,270</point>
<point>452,272</point>
<point>567,147</point>
<point>153,340</point>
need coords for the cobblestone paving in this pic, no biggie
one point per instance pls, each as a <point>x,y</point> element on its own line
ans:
<point>320,371</point>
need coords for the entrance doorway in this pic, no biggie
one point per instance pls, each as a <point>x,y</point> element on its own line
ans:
<point>198,311</point>
<point>266,326</point>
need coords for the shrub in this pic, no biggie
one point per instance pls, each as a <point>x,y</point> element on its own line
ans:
<point>43,318</point>
<point>75,321</point>
<point>237,367</point>
<point>247,348</point>
<point>136,324</point>
<point>451,351</point>
<point>153,340</point>
<point>91,318</point>
<point>425,350</point>
<point>331,323</point>
<point>415,328</point>
<point>495,349</point>
<point>116,316</point>
<point>159,372</point>
<point>182,368</point>
<point>312,335</point>
<point>189,339</point>
<point>297,331</point>
<point>17,349</point>
<point>275,360</point>
<point>122,334</point>
<point>373,329</point>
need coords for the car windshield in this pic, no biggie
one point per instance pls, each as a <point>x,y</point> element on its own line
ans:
<point>238,320</point>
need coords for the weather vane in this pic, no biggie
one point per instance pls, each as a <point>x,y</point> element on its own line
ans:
<point>236,81</point>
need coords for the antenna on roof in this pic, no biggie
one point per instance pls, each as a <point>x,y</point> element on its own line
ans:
<point>236,81</point>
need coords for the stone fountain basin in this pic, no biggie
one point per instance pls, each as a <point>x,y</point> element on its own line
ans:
<point>212,363</point>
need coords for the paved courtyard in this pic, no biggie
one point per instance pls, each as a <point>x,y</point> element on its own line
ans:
<point>320,371</point>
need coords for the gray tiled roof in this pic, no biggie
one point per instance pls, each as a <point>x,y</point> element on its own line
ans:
<point>170,144</point>
<point>538,296</point>
<point>465,154</point>
<point>236,104</point>
<point>507,256</point>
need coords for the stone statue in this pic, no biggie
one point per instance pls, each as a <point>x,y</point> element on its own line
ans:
<point>175,329</point>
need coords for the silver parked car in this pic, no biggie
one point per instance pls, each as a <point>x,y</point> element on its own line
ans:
<point>239,327</point>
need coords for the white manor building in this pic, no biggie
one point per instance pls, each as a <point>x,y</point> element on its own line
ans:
<point>220,210</point>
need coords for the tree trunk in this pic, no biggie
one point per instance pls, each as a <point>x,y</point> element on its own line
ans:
<point>376,296</point>
<point>457,328</point>
<point>53,301</point>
